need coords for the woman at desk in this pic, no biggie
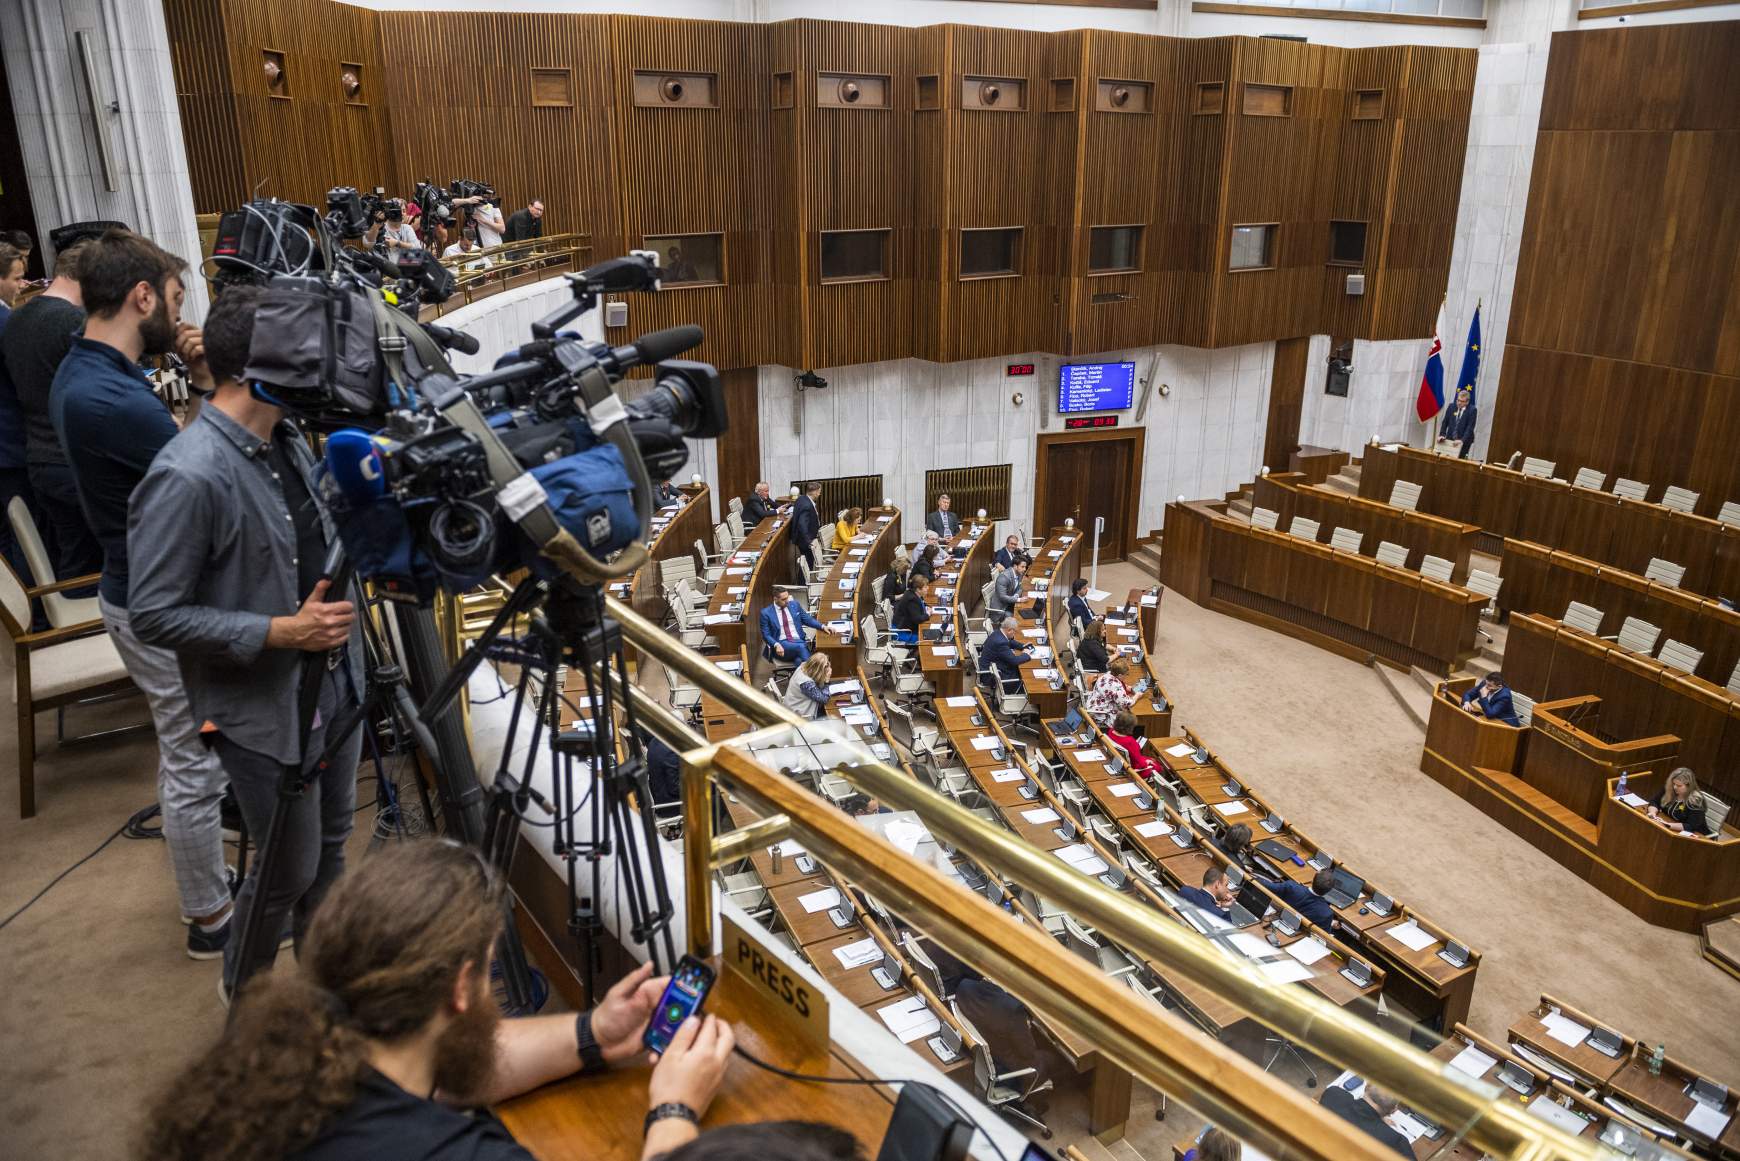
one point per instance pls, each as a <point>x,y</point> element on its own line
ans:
<point>806,694</point>
<point>1123,733</point>
<point>1235,844</point>
<point>846,527</point>
<point>1681,807</point>
<point>1092,650</point>
<point>911,612</point>
<point>894,580</point>
<point>925,565</point>
<point>1111,693</point>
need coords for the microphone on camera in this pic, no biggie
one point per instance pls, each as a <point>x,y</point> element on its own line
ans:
<point>354,462</point>
<point>451,339</point>
<point>668,343</point>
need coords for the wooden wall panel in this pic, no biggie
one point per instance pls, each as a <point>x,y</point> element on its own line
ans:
<point>1623,348</point>
<point>206,96</point>
<point>1190,246</point>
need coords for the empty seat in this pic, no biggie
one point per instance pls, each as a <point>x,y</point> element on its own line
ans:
<point>1638,635</point>
<point>1392,554</point>
<point>1589,478</point>
<point>1585,617</point>
<point>1730,514</point>
<point>1436,568</point>
<point>1664,572</point>
<point>1680,656</point>
<point>1630,490</point>
<point>1715,813</point>
<point>1304,528</point>
<point>1679,499</point>
<point>1485,583</point>
<point>1532,466</point>
<point>1264,518</point>
<point>1734,679</point>
<point>1346,539</point>
<point>1524,706</point>
<point>1405,495</point>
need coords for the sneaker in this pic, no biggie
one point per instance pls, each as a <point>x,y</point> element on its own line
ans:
<point>203,944</point>
<point>231,881</point>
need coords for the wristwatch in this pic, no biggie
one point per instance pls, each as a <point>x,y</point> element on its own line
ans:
<point>591,1055</point>
<point>668,1110</point>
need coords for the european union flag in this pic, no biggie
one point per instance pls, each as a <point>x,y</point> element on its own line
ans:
<point>1470,359</point>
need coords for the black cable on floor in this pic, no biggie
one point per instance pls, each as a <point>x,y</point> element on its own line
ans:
<point>117,834</point>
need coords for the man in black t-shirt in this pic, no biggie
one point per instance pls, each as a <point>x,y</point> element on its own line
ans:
<point>383,1041</point>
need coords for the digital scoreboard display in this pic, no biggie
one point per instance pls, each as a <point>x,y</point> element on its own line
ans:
<point>1095,387</point>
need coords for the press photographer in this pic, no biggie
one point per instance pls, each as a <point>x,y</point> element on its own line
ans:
<point>392,230</point>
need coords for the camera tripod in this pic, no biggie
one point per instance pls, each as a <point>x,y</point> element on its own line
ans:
<point>385,692</point>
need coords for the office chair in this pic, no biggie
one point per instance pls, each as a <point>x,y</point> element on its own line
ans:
<point>1589,478</point>
<point>1405,495</point>
<point>1630,490</point>
<point>60,609</point>
<point>712,564</point>
<point>1542,469</point>
<point>734,504</point>
<point>1304,528</point>
<point>1734,680</point>
<point>1730,514</point>
<point>997,1089</point>
<point>1664,572</point>
<point>1280,1046</point>
<point>1392,554</point>
<point>1585,617</point>
<point>1515,461</point>
<point>1436,568</point>
<point>1524,707</point>
<point>722,539</point>
<point>1265,518</point>
<point>1679,499</point>
<point>1715,812</point>
<point>1638,635</point>
<point>734,523</point>
<point>1679,655</point>
<point>1487,585</point>
<point>1346,539</point>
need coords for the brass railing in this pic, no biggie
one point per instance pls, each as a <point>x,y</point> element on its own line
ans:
<point>511,264</point>
<point>1150,1042</point>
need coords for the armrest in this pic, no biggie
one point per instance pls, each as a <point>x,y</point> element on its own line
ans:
<point>57,636</point>
<point>77,582</point>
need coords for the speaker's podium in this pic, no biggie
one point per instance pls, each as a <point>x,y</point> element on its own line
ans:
<point>1570,761</point>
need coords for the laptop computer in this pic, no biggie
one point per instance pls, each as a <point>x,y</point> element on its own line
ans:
<point>1251,904</point>
<point>1275,850</point>
<point>1069,723</point>
<point>1347,888</point>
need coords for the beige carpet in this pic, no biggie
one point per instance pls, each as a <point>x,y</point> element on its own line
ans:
<point>98,1003</point>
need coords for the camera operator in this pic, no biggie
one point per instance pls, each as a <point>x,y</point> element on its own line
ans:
<point>393,228</point>
<point>486,218</point>
<point>228,541</point>
<point>379,1042</point>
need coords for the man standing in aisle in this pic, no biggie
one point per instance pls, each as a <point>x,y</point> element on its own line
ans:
<point>111,426</point>
<point>806,523</point>
<point>228,542</point>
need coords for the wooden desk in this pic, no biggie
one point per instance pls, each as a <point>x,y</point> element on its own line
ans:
<point>1316,464</point>
<point>1569,762</point>
<point>1589,1066</point>
<point>772,566</point>
<point>1421,534</point>
<point>851,582</point>
<point>673,535</point>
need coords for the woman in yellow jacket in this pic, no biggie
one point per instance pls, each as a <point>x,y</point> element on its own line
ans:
<point>846,527</point>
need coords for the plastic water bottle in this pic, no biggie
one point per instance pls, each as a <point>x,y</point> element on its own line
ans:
<point>1655,1059</point>
<point>1619,791</point>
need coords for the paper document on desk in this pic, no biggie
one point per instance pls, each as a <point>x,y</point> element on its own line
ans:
<point>789,848</point>
<point>1007,774</point>
<point>1229,809</point>
<point>1054,553</point>
<point>905,835</point>
<point>858,953</point>
<point>1707,1120</point>
<point>1151,600</point>
<point>820,900</point>
<point>1411,936</point>
<point>718,618</point>
<point>1124,789</point>
<point>1253,947</point>
<point>839,604</point>
<point>990,743</point>
<point>1041,815</point>
<point>1153,829</point>
<point>1407,1125</point>
<point>737,572</point>
<point>1045,674</point>
<point>1552,1112</point>
<point>909,1019</point>
<point>850,685</point>
<point>945,594</point>
<point>1082,858</point>
<point>858,552</point>
<point>736,590</point>
<point>1091,754</point>
<point>1308,950</point>
<point>959,701</point>
<point>1564,1030</point>
<point>1181,750</point>
<point>851,568</point>
<point>1036,634</point>
<point>1473,1061</point>
<point>1285,971</point>
<point>945,650</point>
<point>730,666</point>
<point>1633,800</point>
<point>858,715</point>
<point>1132,634</point>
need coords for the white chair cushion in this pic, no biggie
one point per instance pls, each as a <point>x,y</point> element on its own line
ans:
<point>73,665</point>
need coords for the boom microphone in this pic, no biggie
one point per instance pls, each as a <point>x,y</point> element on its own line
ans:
<point>668,343</point>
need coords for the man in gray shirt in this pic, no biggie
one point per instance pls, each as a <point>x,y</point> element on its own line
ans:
<point>226,543</point>
<point>1006,588</point>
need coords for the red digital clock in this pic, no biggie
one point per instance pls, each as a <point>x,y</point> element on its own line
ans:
<point>1078,422</point>
<point>1019,369</point>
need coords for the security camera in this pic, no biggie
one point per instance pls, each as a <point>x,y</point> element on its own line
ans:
<point>812,381</point>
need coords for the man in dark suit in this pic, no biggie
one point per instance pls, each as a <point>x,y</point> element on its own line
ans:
<point>1459,424</point>
<point>782,629</point>
<point>1309,902</point>
<point>1215,896</point>
<point>1490,698</point>
<point>999,655</point>
<point>1010,553</point>
<point>1367,1112</point>
<point>1000,1018</point>
<point>757,506</point>
<point>806,523</point>
<point>943,522</point>
<point>1079,610</point>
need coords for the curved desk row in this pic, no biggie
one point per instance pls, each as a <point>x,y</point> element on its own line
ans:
<point>848,594</point>
<point>673,533</point>
<point>1422,535</point>
<point>752,570</point>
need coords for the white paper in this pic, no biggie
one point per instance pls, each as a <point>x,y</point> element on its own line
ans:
<point>1041,652</point>
<point>1408,1126</point>
<point>730,666</point>
<point>839,604</point>
<point>991,743</point>
<point>945,650</point>
<point>788,848</point>
<point>851,568</point>
<point>1153,829</point>
<point>1564,1030</point>
<point>859,953</point>
<point>1473,1061</point>
<point>858,715</point>
<point>718,618</point>
<point>1308,950</point>
<point>1045,674</point>
<point>820,900</point>
<point>1036,634</point>
<point>1042,814</point>
<point>1285,971</point>
<point>1130,634</point>
<point>1125,789</point>
<point>1228,809</point>
<point>1091,754</point>
<point>1007,774</point>
<point>1082,858</point>
<point>905,835</point>
<point>736,572</point>
<point>909,1019</point>
<point>1151,600</point>
<point>1706,1120</point>
<point>960,702</point>
<point>1181,750</point>
<point>1055,553</point>
<point>1253,947</point>
<point>1551,1111</point>
<point>1631,799</point>
<point>859,552</point>
<point>1411,936</point>
<point>736,591</point>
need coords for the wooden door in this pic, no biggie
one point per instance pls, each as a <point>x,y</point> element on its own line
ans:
<point>1088,474</point>
<point>1286,403</point>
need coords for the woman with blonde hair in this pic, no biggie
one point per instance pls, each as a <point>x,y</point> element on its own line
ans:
<point>1681,806</point>
<point>846,527</point>
<point>807,693</point>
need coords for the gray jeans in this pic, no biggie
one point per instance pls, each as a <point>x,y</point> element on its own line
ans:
<point>190,780</point>
<point>311,854</point>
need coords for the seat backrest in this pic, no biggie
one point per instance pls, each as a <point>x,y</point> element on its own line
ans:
<point>1630,490</point>
<point>1485,583</point>
<point>1264,518</point>
<point>1346,539</point>
<point>1393,554</point>
<point>1304,528</point>
<point>1734,679</point>
<point>1730,513</point>
<point>1638,635</point>
<point>1436,568</point>
<point>735,504</point>
<point>1585,617</point>
<point>1715,813</point>
<point>1664,572</point>
<point>1404,495</point>
<point>1532,466</point>
<point>676,568</point>
<point>1678,655</point>
<point>60,609</point>
<point>722,537</point>
<point>1524,706</point>
<point>1589,478</point>
<point>867,628</point>
<point>1679,499</point>
<point>14,600</point>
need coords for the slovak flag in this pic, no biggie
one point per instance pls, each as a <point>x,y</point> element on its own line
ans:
<point>1431,400</point>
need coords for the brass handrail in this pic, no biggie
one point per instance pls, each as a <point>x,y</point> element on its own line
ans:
<point>553,254</point>
<point>1205,1074</point>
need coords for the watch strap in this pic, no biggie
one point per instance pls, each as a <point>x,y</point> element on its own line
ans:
<point>667,1111</point>
<point>591,1055</point>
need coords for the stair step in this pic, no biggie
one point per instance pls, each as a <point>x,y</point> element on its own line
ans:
<point>1340,483</point>
<point>1480,665</point>
<point>1147,558</point>
<point>1241,507</point>
<point>1414,698</point>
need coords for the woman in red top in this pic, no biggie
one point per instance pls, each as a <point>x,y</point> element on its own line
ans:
<point>1123,734</point>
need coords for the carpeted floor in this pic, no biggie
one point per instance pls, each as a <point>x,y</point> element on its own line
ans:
<point>99,1004</point>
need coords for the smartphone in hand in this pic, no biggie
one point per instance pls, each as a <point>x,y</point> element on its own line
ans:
<point>683,997</point>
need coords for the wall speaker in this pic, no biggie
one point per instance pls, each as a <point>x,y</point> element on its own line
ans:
<point>1001,94</point>
<point>616,314</point>
<point>1356,284</point>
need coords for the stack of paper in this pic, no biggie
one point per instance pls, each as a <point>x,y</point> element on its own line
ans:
<point>1410,936</point>
<point>1007,774</point>
<point>1082,858</point>
<point>1091,754</point>
<point>1563,1029</point>
<point>945,650</point>
<point>1153,829</point>
<point>850,685</point>
<point>717,618</point>
<point>820,900</point>
<point>858,953</point>
<point>1473,1061</point>
<point>859,552</point>
<point>1229,809</point>
<point>858,715</point>
<point>987,743</point>
<point>1181,750</point>
<point>909,1019</point>
<point>736,590</point>
<point>1631,799</point>
<point>1706,1119</point>
<point>1039,815</point>
<point>1125,789</point>
<point>958,701</point>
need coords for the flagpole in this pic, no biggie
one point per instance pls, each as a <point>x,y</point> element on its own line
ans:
<point>1438,419</point>
<point>1480,367</point>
